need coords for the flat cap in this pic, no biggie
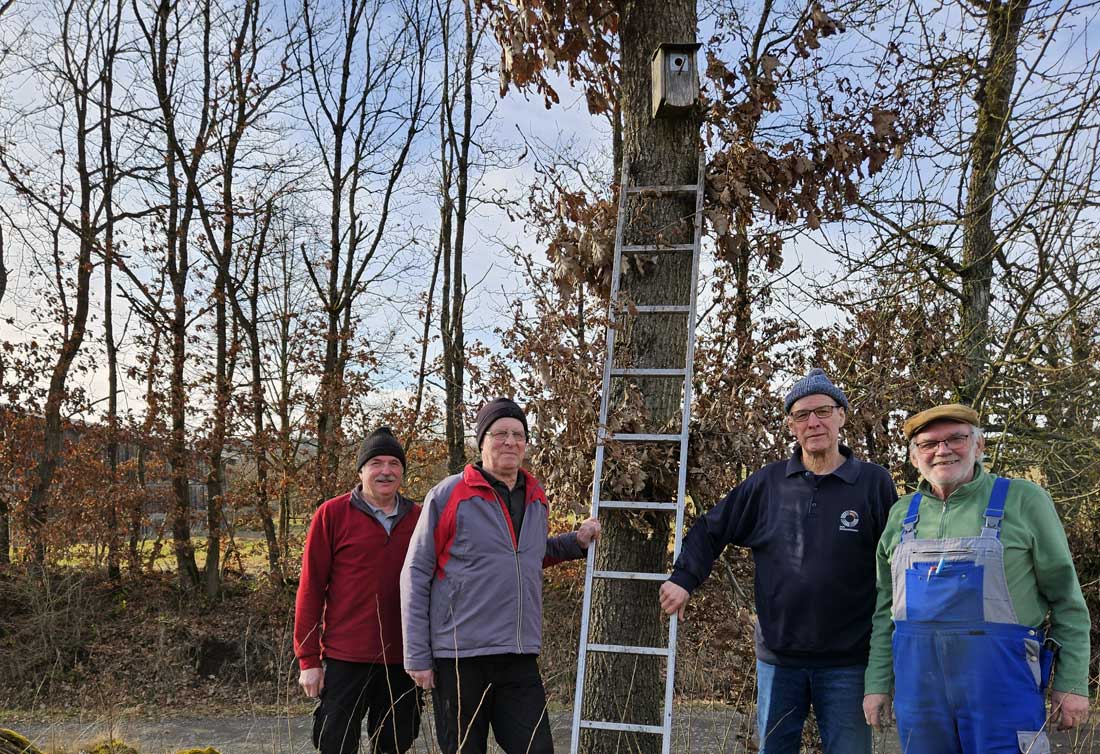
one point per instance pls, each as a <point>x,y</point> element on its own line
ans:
<point>950,411</point>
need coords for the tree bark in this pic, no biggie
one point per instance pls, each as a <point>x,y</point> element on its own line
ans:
<point>152,409</point>
<point>5,511</point>
<point>251,323</point>
<point>979,244</point>
<point>110,177</point>
<point>180,209</point>
<point>657,152</point>
<point>76,87</point>
<point>456,164</point>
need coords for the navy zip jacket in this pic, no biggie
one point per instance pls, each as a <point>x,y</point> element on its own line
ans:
<point>813,541</point>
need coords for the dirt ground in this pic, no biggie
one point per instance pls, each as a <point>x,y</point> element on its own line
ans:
<point>697,729</point>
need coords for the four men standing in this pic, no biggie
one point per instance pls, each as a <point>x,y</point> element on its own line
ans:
<point>967,571</point>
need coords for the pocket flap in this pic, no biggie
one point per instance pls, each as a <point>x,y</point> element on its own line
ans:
<point>1033,741</point>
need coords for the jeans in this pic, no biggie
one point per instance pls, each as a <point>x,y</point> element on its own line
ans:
<point>784,698</point>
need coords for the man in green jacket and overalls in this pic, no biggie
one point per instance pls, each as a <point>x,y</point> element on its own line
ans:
<point>970,569</point>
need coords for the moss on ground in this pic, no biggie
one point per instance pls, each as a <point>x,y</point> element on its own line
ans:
<point>110,747</point>
<point>13,743</point>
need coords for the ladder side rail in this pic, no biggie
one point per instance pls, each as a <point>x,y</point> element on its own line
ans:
<point>685,426</point>
<point>597,475</point>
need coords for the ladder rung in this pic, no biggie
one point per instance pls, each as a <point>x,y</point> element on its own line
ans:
<point>644,437</point>
<point>643,372</point>
<point>651,249</point>
<point>632,505</point>
<point>661,309</point>
<point>686,188</point>
<point>628,650</point>
<point>631,575</point>
<point>625,727</point>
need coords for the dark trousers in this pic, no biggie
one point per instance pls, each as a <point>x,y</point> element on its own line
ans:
<point>383,694</point>
<point>504,692</point>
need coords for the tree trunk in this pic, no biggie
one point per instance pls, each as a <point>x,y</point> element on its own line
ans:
<point>5,511</point>
<point>282,408</point>
<point>74,327</point>
<point>617,687</point>
<point>455,155</point>
<point>5,531</point>
<point>979,244</point>
<point>178,457</point>
<point>108,160</point>
<point>113,555</point>
<point>178,215</point>
<point>251,323</point>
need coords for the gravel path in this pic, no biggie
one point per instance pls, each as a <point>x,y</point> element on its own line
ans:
<point>700,730</point>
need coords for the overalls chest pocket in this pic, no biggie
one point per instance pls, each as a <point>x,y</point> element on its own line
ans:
<point>949,590</point>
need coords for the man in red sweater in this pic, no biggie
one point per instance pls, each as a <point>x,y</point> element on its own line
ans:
<point>347,620</point>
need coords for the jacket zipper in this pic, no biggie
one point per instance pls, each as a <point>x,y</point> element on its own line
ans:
<point>519,577</point>
<point>943,521</point>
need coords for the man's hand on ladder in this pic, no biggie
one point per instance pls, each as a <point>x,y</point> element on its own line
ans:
<point>674,599</point>
<point>588,533</point>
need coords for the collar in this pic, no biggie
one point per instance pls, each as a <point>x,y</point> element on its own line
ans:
<point>360,501</point>
<point>521,480</point>
<point>974,486</point>
<point>847,472</point>
<point>474,476</point>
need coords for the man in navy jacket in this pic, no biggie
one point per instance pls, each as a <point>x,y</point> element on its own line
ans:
<point>812,522</point>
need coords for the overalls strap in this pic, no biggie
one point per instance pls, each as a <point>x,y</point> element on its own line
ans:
<point>996,509</point>
<point>909,524</point>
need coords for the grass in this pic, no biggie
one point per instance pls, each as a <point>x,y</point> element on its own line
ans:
<point>247,556</point>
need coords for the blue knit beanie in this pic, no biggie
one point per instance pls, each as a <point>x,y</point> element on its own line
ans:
<point>815,382</point>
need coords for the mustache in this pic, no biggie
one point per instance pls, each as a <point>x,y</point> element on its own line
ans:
<point>385,478</point>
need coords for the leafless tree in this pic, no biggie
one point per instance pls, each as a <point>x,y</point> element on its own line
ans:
<point>73,207</point>
<point>167,50</point>
<point>363,96</point>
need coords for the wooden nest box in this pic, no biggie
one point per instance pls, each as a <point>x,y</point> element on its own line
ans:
<point>675,79</point>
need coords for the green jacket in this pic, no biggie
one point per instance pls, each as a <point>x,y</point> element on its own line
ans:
<point>1038,567</point>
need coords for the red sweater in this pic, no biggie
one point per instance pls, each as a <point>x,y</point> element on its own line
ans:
<point>348,605</point>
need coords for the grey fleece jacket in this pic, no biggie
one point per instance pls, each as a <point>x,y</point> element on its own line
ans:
<point>468,586</point>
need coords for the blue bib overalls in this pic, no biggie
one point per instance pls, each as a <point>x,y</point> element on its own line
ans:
<point>968,679</point>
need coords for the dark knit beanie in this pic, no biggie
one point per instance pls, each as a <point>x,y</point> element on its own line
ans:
<point>498,408</point>
<point>380,442</point>
<point>815,382</point>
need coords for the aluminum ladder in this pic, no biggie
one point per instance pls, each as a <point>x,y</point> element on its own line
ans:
<point>609,371</point>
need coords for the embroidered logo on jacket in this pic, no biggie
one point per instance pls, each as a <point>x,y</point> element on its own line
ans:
<point>849,521</point>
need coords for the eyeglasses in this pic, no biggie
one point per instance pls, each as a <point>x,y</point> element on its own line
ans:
<point>502,435</point>
<point>953,443</point>
<point>821,412</point>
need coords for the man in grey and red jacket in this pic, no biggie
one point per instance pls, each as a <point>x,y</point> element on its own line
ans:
<point>347,631</point>
<point>471,594</point>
